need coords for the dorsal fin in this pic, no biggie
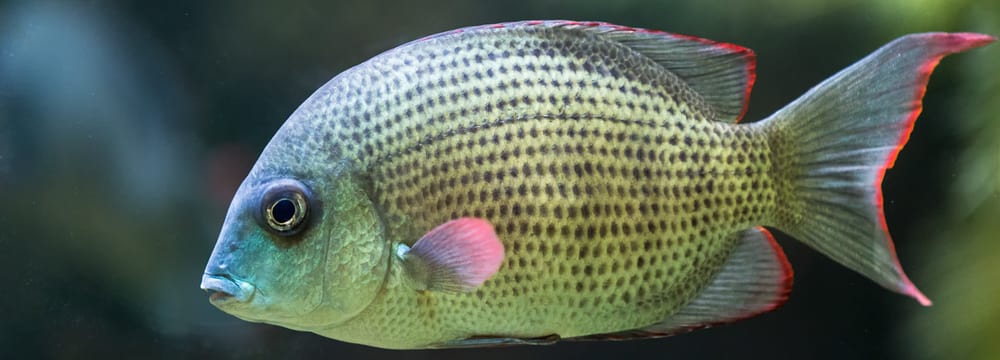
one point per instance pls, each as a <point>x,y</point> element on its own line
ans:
<point>756,279</point>
<point>722,73</point>
<point>723,78</point>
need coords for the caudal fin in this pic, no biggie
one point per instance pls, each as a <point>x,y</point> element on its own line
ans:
<point>833,145</point>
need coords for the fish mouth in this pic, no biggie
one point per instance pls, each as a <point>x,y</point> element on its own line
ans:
<point>224,289</point>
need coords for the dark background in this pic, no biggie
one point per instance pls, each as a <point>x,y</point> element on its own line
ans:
<point>125,128</point>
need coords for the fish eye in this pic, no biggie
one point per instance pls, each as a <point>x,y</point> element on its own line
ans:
<point>285,207</point>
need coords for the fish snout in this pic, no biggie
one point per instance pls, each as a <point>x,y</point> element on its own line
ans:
<point>224,289</point>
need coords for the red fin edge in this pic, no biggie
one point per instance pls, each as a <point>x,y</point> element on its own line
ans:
<point>751,57</point>
<point>951,43</point>
<point>785,280</point>
<point>751,64</point>
<point>788,275</point>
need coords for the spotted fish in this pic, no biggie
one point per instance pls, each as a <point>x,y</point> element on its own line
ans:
<point>527,182</point>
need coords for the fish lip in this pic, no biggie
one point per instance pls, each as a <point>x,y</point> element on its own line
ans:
<point>227,289</point>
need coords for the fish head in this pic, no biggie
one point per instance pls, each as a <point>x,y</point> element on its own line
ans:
<point>302,246</point>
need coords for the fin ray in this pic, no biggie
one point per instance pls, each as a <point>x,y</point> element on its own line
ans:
<point>834,143</point>
<point>756,278</point>
<point>457,256</point>
<point>722,73</point>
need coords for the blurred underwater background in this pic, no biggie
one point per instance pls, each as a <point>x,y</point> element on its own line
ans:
<point>126,126</point>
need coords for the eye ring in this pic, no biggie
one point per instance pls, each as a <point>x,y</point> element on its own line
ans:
<point>285,213</point>
<point>285,207</point>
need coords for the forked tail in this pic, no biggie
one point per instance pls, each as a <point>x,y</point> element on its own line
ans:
<point>831,148</point>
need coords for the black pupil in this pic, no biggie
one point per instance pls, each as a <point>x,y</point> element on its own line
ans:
<point>283,211</point>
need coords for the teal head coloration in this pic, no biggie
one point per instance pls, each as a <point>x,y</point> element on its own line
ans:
<point>528,182</point>
<point>282,259</point>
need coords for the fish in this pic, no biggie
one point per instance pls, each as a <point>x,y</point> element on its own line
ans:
<point>529,182</point>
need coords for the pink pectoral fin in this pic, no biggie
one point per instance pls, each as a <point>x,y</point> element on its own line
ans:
<point>459,255</point>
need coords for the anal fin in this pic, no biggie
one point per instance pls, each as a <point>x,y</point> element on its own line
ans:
<point>755,279</point>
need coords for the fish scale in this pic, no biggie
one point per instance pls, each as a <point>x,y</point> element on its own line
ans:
<point>526,182</point>
<point>599,170</point>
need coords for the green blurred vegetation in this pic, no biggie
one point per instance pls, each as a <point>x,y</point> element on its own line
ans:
<point>962,257</point>
<point>126,126</point>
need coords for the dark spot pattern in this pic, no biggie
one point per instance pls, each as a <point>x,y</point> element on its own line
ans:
<point>616,195</point>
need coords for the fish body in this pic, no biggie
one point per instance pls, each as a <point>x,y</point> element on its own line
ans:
<point>527,182</point>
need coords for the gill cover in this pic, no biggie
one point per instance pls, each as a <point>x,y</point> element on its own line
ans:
<point>358,254</point>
